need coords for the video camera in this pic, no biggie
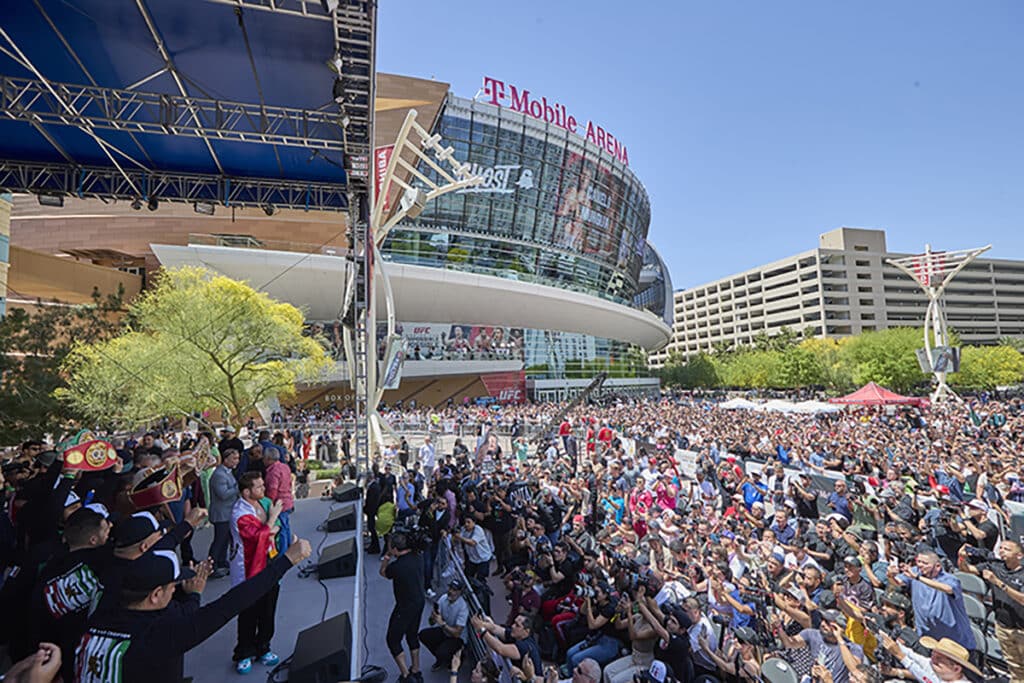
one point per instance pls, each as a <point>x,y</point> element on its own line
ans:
<point>417,539</point>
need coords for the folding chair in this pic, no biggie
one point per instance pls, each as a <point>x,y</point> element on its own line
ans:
<point>972,584</point>
<point>975,610</point>
<point>775,670</point>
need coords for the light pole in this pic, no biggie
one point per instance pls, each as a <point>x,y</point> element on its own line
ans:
<point>933,270</point>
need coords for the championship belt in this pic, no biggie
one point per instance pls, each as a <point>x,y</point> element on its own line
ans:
<point>90,456</point>
<point>81,437</point>
<point>157,485</point>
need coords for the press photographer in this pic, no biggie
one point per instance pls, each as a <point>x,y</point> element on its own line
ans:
<point>448,619</point>
<point>1005,575</point>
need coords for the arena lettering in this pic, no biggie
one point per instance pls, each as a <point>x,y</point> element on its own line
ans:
<point>500,94</point>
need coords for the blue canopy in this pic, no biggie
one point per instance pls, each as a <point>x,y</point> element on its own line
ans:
<point>228,101</point>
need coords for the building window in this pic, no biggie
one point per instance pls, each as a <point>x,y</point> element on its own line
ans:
<point>867,302</point>
<point>860,247</point>
<point>863,264</point>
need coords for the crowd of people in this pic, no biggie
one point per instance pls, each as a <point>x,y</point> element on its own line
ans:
<point>676,540</point>
<point>663,540</point>
<point>99,579</point>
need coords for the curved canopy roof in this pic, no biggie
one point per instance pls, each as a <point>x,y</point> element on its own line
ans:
<point>314,283</point>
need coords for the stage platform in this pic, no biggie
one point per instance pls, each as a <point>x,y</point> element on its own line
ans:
<point>299,606</point>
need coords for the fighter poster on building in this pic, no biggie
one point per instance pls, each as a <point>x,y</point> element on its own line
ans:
<point>588,210</point>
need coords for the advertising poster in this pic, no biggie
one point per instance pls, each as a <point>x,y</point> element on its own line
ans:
<point>506,387</point>
<point>588,209</point>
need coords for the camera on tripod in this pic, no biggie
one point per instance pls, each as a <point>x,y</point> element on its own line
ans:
<point>417,539</point>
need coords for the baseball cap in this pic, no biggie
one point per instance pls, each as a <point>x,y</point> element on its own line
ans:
<point>745,634</point>
<point>657,673</point>
<point>455,585</point>
<point>135,529</point>
<point>897,600</point>
<point>229,429</point>
<point>156,568</point>
<point>100,509</point>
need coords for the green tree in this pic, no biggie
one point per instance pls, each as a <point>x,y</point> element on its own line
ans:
<point>1013,342</point>
<point>799,366</point>
<point>196,342</point>
<point>886,357</point>
<point>33,346</point>
<point>987,367</point>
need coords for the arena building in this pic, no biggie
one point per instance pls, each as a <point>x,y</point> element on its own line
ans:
<point>540,275</point>
<point>840,288</point>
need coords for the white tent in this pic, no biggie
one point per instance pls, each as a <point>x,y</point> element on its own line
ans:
<point>809,407</point>
<point>737,404</point>
<point>777,406</point>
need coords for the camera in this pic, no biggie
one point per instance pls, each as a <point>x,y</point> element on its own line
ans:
<point>976,556</point>
<point>416,539</point>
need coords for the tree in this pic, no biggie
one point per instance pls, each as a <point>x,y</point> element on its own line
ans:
<point>33,346</point>
<point>799,366</point>
<point>196,342</point>
<point>886,357</point>
<point>988,367</point>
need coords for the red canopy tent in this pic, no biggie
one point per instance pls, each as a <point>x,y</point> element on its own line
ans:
<point>872,394</point>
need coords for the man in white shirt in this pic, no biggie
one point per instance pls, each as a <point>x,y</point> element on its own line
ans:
<point>701,624</point>
<point>479,550</point>
<point>428,459</point>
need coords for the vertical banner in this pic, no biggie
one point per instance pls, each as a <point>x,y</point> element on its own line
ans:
<point>381,159</point>
<point>5,241</point>
<point>394,359</point>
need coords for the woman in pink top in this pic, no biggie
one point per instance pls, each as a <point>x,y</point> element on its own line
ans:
<point>278,482</point>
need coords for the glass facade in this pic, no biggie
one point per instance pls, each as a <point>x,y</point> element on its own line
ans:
<point>553,208</point>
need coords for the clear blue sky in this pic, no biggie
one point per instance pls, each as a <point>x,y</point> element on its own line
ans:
<point>757,125</point>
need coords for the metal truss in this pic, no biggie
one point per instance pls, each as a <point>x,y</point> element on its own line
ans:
<point>135,111</point>
<point>308,9</point>
<point>354,33</point>
<point>62,179</point>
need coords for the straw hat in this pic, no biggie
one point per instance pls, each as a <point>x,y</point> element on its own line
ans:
<point>952,649</point>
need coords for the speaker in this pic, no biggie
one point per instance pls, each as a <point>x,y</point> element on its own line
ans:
<point>338,560</point>
<point>345,493</point>
<point>322,652</point>
<point>342,519</point>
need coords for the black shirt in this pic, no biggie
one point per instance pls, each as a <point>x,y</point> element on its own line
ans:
<point>406,574</point>
<point>676,655</point>
<point>528,646</point>
<point>1008,612</point>
<point>131,645</point>
<point>67,589</point>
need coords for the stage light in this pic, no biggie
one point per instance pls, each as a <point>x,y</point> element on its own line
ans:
<point>413,202</point>
<point>345,120</point>
<point>338,90</point>
<point>335,64</point>
<point>137,204</point>
<point>205,208</point>
<point>268,209</point>
<point>153,204</point>
<point>329,5</point>
<point>55,200</point>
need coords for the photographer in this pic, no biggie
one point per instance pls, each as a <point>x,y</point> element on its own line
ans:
<point>974,527</point>
<point>558,573</point>
<point>448,617</point>
<point>825,642</point>
<point>404,568</point>
<point>602,642</point>
<point>641,637</point>
<point>478,548</point>
<point>1006,577</point>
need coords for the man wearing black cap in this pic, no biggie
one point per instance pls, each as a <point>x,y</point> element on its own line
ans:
<point>134,536</point>
<point>449,618</point>
<point>68,584</point>
<point>147,636</point>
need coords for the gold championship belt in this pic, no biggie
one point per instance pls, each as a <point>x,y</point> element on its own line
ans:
<point>164,483</point>
<point>90,456</point>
